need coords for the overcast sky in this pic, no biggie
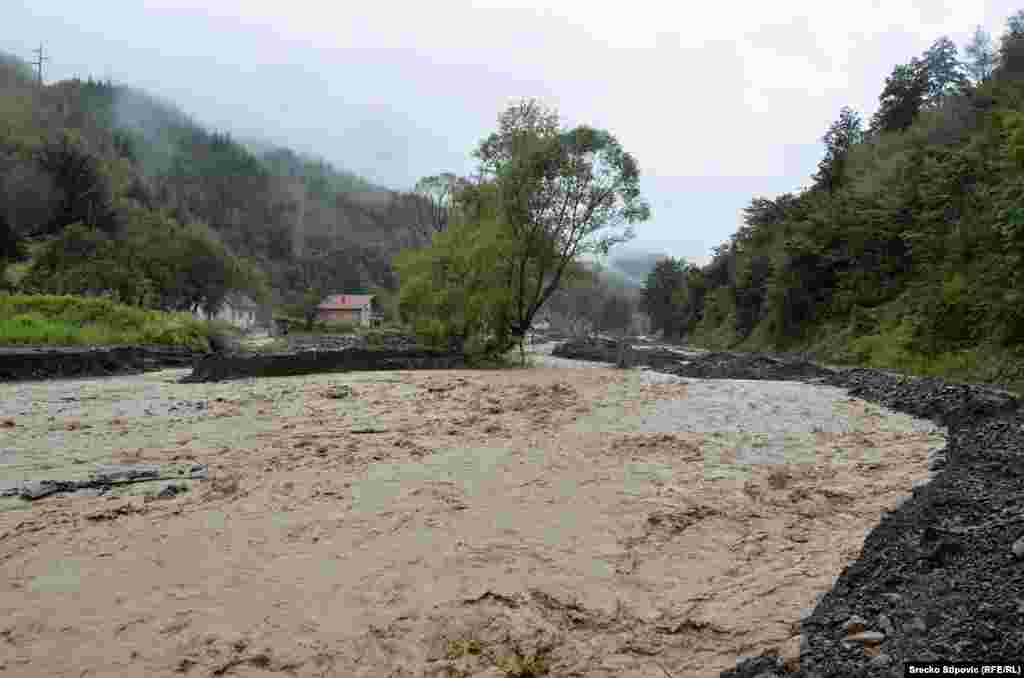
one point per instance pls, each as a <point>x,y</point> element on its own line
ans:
<point>718,101</point>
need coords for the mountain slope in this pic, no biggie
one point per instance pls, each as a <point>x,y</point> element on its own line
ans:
<point>96,153</point>
<point>906,252</point>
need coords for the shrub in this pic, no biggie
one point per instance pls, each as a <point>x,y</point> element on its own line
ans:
<point>72,320</point>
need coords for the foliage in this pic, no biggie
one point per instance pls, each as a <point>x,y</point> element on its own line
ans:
<point>981,56</point>
<point>946,73</point>
<point>841,136</point>
<point>904,95</point>
<point>914,259</point>
<point>437,200</point>
<point>155,263</point>
<point>544,197</point>
<point>664,296</point>
<point>73,320</point>
<point>100,155</point>
<point>452,292</point>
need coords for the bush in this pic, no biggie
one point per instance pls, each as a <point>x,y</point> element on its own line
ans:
<point>72,320</point>
<point>378,336</point>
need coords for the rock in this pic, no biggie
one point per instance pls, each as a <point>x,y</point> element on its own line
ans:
<point>92,492</point>
<point>867,637</point>
<point>37,489</point>
<point>855,624</point>
<point>115,473</point>
<point>171,490</point>
<point>881,660</point>
<point>339,392</point>
<point>219,367</point>
<point>1018,549</point>
<point>50,362</point>
<point>885,624</point>
<point>624,358</point>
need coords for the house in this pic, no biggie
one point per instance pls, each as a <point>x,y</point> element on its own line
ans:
<point>348,308</point>
<point>237,309</point>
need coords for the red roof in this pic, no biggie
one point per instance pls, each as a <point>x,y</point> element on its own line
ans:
<point>345,302</point>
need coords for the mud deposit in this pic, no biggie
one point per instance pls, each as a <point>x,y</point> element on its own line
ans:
<point>447,523</point>
<point>942,577</point>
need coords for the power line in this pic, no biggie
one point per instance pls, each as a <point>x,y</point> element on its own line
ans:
<point>38,63</point>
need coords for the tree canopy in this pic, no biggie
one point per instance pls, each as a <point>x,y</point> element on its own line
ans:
<point>543,197</point>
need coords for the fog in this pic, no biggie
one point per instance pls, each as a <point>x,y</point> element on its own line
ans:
<point>718,102</point>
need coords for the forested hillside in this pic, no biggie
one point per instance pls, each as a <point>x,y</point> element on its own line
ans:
<point>906,249</point>
<point>111,189</point>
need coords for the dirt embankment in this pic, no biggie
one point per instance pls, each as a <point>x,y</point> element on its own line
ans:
<point>445,523</point>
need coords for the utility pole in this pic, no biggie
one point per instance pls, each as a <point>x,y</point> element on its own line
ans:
<point>38,63</point>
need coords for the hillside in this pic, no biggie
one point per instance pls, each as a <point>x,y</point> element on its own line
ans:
<point>906,250</point>
<point>129,168</point>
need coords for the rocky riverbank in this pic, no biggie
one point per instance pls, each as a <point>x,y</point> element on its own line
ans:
<point>230,358</point>
<point>19,363</point>
<point>220,367</point>
<point>941,578</point>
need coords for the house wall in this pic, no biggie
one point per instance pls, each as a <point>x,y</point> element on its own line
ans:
<point>339,316</point>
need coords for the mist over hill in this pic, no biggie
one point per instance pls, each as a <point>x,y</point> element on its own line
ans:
<point>634,265</point>
<point>117,160</point>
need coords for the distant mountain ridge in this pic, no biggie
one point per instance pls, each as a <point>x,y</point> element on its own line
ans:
<point>105,155</point>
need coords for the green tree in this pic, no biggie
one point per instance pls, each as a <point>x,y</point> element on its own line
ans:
<point>902,98</point>
<point>560,194</point>
<point>664,295</point>
<point>82,182</point>
<point>453,292</point>
<point>1015,24</point>
<point>11,246</point>
<point>543,197</point>
<point>841,136</point>
<point>1010,64</point>
<point>981,56</point>
<point>945,71</point>
<point>435,197</point>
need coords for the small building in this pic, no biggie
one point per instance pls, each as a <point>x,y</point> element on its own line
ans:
<point>237,309</point>
<point>357,309</point>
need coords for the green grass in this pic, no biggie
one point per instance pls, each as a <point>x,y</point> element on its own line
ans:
<point>67,320</point>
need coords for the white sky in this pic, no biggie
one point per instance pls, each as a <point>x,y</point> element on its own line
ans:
<point>719,101</point>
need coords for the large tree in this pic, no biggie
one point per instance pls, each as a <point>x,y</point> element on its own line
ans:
<point>901,100</point>
<point>1011,49</point>
<point>981,56</point>
<point>561,194</point>
<point>543,197</point>
<point>841,136</point>
<point>945,71</point>
<point>434,198</point>
<point>664,295</point>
